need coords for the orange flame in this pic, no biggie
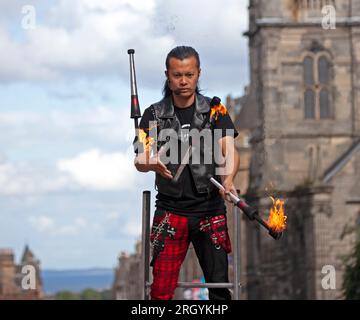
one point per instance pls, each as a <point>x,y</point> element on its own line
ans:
<point>146,140</point>
<point>277,218</point>
<point>216,110</point>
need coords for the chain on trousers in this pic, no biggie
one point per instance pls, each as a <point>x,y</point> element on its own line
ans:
<point>170,242</point>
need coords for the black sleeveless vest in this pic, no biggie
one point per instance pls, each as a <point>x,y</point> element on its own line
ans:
<point>164,114</point>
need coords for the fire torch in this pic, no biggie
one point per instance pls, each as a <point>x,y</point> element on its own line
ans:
<point>135,108</point>
<point>250,212</point>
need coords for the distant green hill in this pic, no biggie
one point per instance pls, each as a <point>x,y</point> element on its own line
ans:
<point>86,294</point>
<point>77,280</point>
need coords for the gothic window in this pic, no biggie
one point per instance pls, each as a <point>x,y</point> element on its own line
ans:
<point>309,97</point>
<point>317,82</point>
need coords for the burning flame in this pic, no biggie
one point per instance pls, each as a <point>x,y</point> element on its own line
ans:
<point>277,218</point>
<point>216,110</point>
<point>146,140</point>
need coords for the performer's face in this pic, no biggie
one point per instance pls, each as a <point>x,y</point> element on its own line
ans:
<point>183,76</point>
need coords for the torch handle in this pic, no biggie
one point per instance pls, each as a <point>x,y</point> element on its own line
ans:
<point>250,212</point>
<point>135,108</point>
<point>240,203</point>
<point>236,200</point>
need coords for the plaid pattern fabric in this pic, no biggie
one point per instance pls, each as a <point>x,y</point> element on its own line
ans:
<point>167,264</point>
<point>173,238</point>
<point>217,229</point>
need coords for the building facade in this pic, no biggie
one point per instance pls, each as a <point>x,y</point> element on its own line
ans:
<point>304,92</point>
<point>127,278</point>
<point>13,285</point>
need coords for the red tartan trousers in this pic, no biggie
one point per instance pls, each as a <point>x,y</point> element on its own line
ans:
<point>211,243</point>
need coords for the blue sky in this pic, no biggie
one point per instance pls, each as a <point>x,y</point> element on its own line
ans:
<point>67,184</point>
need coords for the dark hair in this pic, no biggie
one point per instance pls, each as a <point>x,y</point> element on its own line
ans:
<point>181,53</point>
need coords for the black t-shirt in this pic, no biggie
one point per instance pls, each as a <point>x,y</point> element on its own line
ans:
<point>191,202</point>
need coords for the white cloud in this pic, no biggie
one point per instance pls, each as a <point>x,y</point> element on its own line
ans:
<point>19,118</point>
<point>57,130</point>
<point>215,28</point>
<point>115,224</point>
<point>89,170</point>
<point>99,122</point>
<point>81,222</point>
<point>47,225</point>
<point>96,170</point>
<point>112,216</point>
<point>42,223</point>
<point>82,38</point>
<point>22,178</point>
<point>132,228</point>
<point>93,43</point>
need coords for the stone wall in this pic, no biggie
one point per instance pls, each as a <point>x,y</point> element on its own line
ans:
<point>290,154</point>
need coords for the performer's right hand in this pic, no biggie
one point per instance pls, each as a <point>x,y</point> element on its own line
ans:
<point>144,163</point>
<point>160,168</point>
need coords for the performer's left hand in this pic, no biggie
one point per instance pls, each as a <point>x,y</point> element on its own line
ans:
<point>229,187</point>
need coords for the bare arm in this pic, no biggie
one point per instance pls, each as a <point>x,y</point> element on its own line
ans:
<point>144,163</point>
<point>231,168</point>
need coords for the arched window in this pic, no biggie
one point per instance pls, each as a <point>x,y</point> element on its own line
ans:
<point>317,86</point>
<point>324,86</point>
<point>309,95</point>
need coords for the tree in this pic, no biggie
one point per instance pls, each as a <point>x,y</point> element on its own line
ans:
<point>90,294</point>
<point>66,295</point>
<point>351,283</point>
<point>86,294</point>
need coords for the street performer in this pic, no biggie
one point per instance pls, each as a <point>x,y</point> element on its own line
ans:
<point>189,208</point>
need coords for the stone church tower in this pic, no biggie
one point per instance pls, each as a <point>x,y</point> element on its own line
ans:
<point>12,276</point>
<point>28,258</point>
<point>304,87</point>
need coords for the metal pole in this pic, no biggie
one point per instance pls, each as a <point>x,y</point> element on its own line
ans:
<point>236,255</point>
<point>145,246</point>
<point>205,285</point>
